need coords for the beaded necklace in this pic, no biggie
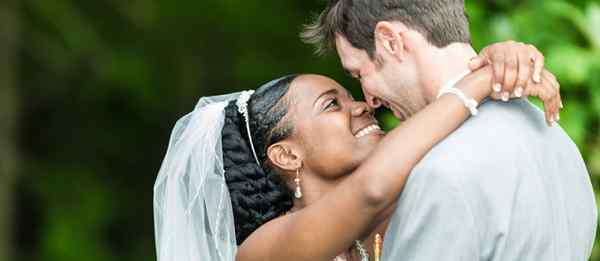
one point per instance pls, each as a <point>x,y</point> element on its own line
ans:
<point>364,255</point>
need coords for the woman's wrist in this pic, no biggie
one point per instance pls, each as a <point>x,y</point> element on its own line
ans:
<point>477,85</point>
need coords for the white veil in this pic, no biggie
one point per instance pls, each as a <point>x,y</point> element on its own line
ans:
<point>193,216</point>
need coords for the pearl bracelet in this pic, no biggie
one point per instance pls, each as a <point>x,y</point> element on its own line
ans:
<point>470,103</point>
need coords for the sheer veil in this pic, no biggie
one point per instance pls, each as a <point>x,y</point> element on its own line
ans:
<point>193,216</point>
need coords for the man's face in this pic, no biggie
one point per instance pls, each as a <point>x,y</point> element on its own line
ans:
<point>385,81</point>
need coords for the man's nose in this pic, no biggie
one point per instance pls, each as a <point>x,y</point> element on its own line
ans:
<point>372,101</point>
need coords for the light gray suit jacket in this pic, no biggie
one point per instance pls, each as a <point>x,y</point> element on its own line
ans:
<point>504,186</point>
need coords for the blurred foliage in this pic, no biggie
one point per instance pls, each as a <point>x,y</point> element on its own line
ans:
<point>102,83</point>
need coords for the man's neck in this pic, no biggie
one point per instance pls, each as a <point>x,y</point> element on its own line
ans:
<point>442,65</point>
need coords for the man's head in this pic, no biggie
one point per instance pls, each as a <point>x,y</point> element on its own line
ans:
<point>384,44</point>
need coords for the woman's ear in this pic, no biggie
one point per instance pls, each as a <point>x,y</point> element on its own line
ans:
<point>388,38</point>
<point>284,155</point>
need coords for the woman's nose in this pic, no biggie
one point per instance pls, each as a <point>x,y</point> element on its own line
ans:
<point>360,108</point>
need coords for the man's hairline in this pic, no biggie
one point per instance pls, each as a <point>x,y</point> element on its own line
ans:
<point>372,54</point>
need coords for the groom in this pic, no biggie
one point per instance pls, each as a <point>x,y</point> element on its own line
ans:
<point>500,187</point>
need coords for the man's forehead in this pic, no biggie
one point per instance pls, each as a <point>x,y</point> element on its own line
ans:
<point>345,51</point>
<point>350,56</point>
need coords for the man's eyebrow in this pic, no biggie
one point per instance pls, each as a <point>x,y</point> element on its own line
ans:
<point>330,91</point>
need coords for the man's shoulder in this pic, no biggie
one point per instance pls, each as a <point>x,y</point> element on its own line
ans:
<point>498,135</point>
<point>500,124</point>
<point>499,128</point>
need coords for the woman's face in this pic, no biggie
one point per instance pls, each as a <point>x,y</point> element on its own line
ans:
<point>335,132</point>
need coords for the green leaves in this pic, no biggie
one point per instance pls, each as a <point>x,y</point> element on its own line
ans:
<point>594,87</point>
<point>574,119</point>
<point>570,64</point>
<point>593,24</point>
<point>587,22</point>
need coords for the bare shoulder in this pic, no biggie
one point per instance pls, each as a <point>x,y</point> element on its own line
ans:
<point>258,246</point>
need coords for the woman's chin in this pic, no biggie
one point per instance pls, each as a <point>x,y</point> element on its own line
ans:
<point>370,141</point>
<point>373,136</point>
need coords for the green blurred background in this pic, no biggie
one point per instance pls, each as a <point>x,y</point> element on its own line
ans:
<point>89,91</point>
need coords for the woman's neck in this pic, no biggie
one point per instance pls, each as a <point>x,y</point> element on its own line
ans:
<point>313,189</point>
<point>320,188</point>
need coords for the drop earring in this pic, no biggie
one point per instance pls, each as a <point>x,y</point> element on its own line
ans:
<point>298,193</point>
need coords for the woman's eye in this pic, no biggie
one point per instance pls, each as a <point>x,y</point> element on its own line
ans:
<point>332,103</point>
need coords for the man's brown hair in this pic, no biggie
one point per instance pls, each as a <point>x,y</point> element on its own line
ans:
<point>441,22</point>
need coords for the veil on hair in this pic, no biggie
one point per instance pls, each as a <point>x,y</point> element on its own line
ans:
<point>193,216</point>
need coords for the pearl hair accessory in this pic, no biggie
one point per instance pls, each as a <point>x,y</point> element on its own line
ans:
<point>242,104</point>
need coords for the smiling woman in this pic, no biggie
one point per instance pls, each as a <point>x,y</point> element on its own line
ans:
<point>326,120</point>
<point>304,131</point>
<point>292,118</point>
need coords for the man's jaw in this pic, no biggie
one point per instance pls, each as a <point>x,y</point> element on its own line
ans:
<point>442,65</point>
<point>398,113</point>
<point>385,103</point>
<point>404,111</point>
<point>396,110</point>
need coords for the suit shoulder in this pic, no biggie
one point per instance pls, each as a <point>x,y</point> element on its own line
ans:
<point>500,129</point>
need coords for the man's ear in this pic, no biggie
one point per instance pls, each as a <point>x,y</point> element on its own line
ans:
<point>388,37</point>
<point>285,155</point>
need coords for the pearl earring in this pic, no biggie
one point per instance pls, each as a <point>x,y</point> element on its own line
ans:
<point>298,193</point>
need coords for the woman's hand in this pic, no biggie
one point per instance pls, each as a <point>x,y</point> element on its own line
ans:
<point>548,90</point>
<point>518,71</point>
<point>513,64</point>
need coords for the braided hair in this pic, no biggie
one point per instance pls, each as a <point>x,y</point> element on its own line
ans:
<point>258,193</point>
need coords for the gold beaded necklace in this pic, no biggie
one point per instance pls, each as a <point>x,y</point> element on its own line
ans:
<point>364,255</point>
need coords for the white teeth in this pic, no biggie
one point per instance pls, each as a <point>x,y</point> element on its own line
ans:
<point>367,130</point>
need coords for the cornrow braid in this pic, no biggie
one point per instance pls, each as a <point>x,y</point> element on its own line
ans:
<point>258,193</point>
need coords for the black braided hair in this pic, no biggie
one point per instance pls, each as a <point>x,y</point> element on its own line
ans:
<point>258,193</point>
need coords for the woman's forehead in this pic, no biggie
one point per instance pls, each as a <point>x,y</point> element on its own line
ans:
<point>308,88</point>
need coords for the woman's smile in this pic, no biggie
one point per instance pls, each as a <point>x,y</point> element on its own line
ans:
<point>368,130</point>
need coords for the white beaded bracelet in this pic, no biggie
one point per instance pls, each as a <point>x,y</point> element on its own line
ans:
<point>471,104</point>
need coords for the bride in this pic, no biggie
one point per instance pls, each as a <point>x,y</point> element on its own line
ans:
<point>297,170</point>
